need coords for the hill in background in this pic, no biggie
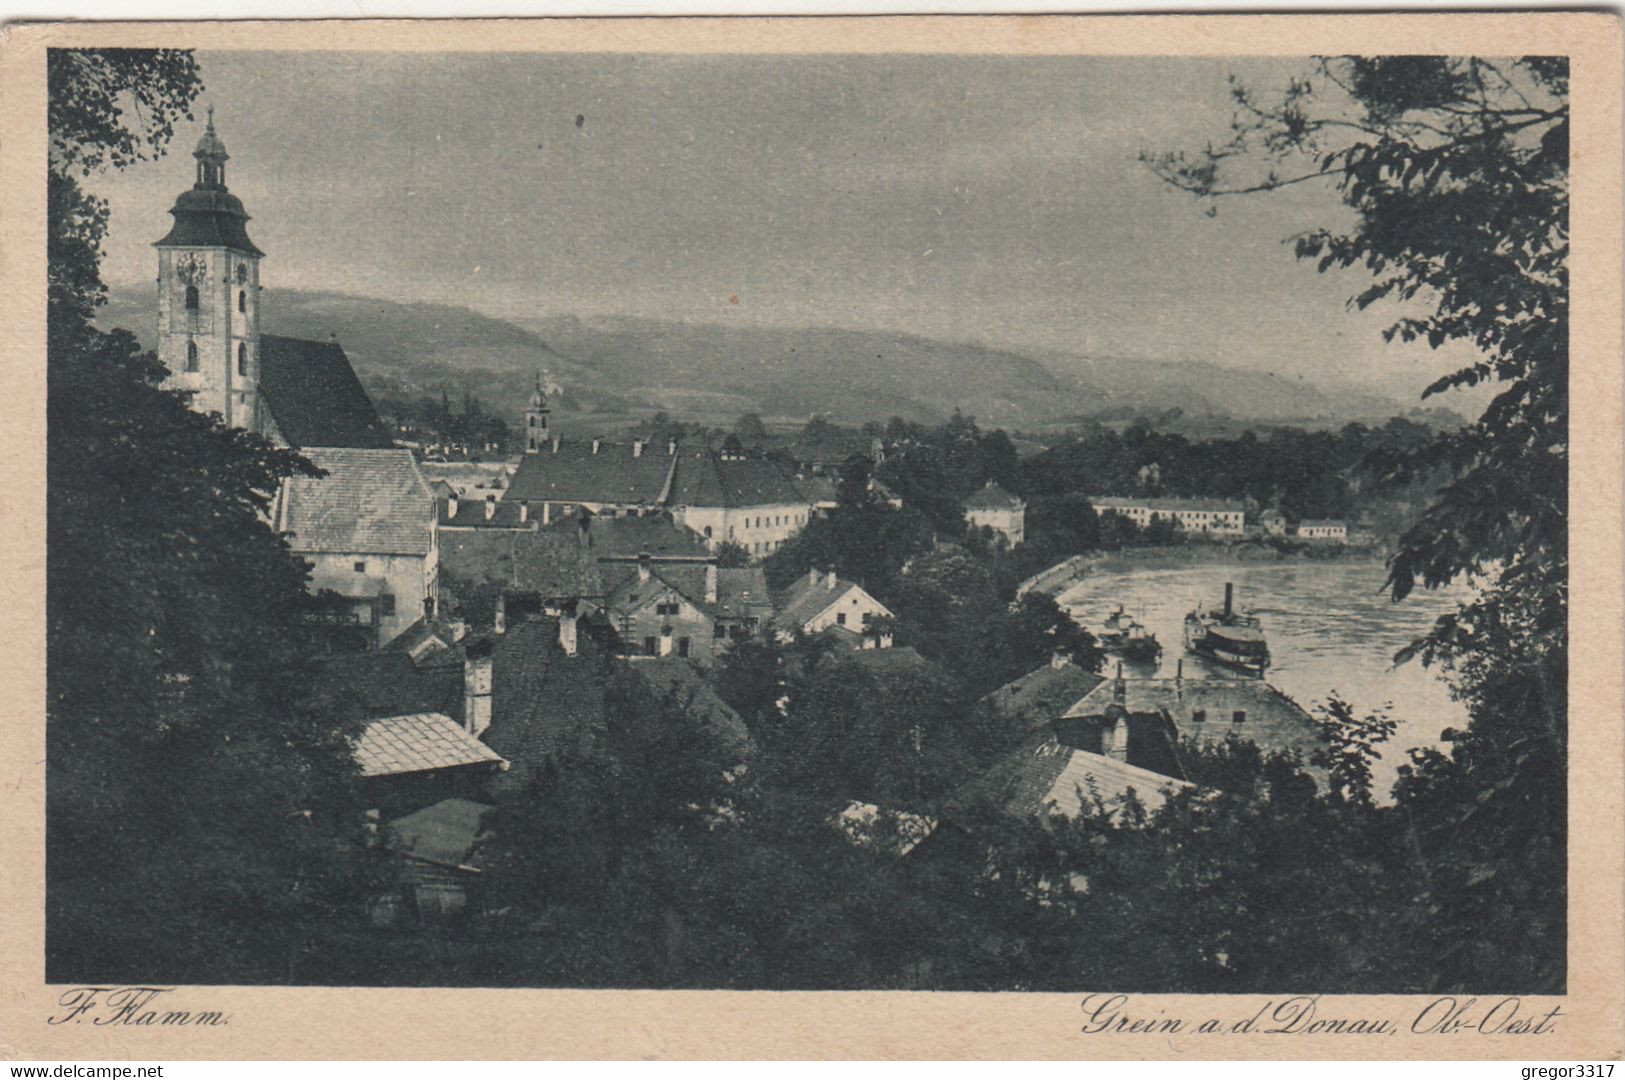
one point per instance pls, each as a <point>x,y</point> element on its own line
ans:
<point>619,370</point>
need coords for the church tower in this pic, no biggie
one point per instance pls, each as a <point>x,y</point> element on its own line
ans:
<point>208,295</point>
<point>536,434</point>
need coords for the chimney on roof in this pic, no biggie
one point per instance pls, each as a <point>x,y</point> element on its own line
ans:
<point>643,566</point>
<point>555,444</point>
<point>477,686</point>
<point>1059,659</point>
<point>1229,595</point>
<point>711,583</point>
<point>637,448</point>
<point>1119,687</point>
<point>829,580</point>
<point>567,628</point>
<point>1116,738</point>
<point>499,623</point>
<point>583,524</point>
<point>812,575</point>
<point>547,513</point>
<point>671,447</point>
<point>451,504</point>
<point>596,442</point>
<point>524,511</point>
<point>490,507</point>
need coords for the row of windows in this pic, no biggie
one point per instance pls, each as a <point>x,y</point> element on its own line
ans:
<point>242,357</point>
<point>193,299</point>
<point>1199,716</point>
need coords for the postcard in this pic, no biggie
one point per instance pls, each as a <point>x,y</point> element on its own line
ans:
<point>949,537</point>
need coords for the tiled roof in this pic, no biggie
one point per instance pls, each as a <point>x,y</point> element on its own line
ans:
<point>1322,523</point>
<point>705,478</point>
<point>417,742</point>
<point>444,833</point>
<point>370,502</point>
<point>625,591</point>
<point>545,563</point>
<point>817,490</point>
<point>1114,502</point>
<point>387,684</point>
<point>574,474</point>
<point>315,397</point>
<point>805,599</point>
<point>541,699</point>
<point>1039,697</point>
<point>1044,775</point>
<point>505,513</point>
<point>627,537</point>
<point>992,497</point>
<point>896,658</point>
<point>1273,722</point>
<point>676,678</point>
<point>742,592</point>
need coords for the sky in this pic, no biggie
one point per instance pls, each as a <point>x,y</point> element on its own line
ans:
<point>998,200</point>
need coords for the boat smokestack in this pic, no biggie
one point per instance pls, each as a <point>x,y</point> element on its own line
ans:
<point>1229,596</point>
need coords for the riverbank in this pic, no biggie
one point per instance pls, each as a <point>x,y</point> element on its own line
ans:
<point>1059,578</point>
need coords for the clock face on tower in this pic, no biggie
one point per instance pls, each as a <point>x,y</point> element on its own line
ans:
<point>192,268</point>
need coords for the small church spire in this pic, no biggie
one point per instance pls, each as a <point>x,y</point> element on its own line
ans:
<point>536,418</point>
<point>211,158</point>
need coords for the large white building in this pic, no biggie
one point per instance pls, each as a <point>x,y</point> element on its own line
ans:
<point>1212,517</point>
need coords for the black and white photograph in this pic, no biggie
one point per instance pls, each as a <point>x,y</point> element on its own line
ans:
<point>819,521</point>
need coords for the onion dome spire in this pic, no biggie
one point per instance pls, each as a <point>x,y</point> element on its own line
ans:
<point>208,215</point>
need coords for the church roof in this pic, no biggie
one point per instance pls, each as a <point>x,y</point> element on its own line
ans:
<point>209,217</point>
<point>370,502</point>
<point>572,472</point>
<point>315,397</point>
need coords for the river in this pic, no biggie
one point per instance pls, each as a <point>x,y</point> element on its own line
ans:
<point>1329,629</point>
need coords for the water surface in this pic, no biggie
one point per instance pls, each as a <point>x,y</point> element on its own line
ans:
<point>1330,628</point>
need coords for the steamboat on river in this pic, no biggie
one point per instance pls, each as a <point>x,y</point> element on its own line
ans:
<point>1229,637</point>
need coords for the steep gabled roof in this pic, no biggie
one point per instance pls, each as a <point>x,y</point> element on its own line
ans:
<point>807,598</point>
<point>572,473</point>
<point>314,396</point>
<point>992,497</point>
<point>387,684</point>
<point>1273,721</point>
<point>676,678</point>
<point>444,834</point>
<point>626,592</point>
<point>542,700</point>
<point>1039,697</point>
<point>370,502</point>
<point>742,592</point>
<point>1045,776</point>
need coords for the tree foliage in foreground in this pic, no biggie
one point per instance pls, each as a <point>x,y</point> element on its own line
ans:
<point>1456,170</point>
<point>198,822</point>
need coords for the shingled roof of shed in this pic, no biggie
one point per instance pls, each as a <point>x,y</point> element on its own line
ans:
<point>315,397</point>
<point>369,502</point>
<point>418,742</point>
